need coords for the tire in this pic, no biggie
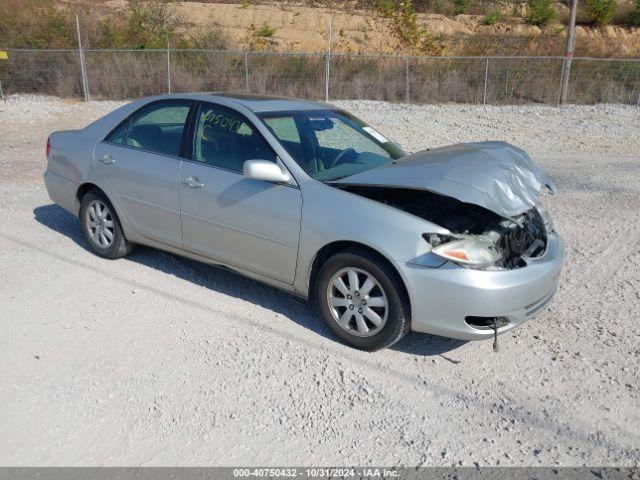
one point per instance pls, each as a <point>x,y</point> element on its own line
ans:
<point>102,228</point>
<point>341,306</point>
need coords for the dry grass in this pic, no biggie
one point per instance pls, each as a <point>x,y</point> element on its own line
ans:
<point>121,75</point>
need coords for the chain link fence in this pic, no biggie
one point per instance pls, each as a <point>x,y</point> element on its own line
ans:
<point>123,74</point>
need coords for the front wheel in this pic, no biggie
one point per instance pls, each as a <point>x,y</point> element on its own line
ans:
<point>102,228</point>
<point>362,300</point>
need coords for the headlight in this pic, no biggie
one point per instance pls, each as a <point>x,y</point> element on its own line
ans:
<point>472,252</point>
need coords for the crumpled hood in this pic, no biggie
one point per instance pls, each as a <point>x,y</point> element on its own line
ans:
<point>494,175</point>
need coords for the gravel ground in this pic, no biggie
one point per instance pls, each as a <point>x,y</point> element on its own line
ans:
<point>155,360</point>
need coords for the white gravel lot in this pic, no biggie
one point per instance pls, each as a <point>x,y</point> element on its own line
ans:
<point>155,360</point>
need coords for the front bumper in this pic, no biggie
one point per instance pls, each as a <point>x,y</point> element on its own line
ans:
<point>441,298</point>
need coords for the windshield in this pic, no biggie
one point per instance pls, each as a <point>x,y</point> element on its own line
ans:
<point>330,144</point>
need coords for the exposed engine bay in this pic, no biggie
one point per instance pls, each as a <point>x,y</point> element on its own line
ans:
<point>522,236</point>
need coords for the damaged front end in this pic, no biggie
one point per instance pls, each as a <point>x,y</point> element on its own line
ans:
<point>504,244</point>
<point>486,194</point>
<point>477,237</point>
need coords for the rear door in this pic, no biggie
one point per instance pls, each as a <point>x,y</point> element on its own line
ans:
<point>251,224</point>
<point>139,165</point>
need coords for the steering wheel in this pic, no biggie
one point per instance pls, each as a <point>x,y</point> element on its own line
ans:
<point>341,156</point>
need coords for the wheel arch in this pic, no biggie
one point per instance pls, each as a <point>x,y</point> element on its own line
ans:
<point>85,188</point>
<point>345,246</point>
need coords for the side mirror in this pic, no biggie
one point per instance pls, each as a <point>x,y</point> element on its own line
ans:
<point>266,171</point>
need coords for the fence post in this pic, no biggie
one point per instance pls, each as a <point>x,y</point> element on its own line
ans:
<point>83,66</point>
<point>406,76</point>
<point>326,77</point>
<point>560,88</point>
<point>566,65</point>
<point>327,65</point>
<point>486,78</point>
<point>168,69</point>
<point>637,103</point>
<point>2,93</point>
<point>564,79</point>
<point>246,72</point>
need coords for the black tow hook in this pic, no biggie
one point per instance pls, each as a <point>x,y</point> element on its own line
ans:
<point>495,335</point>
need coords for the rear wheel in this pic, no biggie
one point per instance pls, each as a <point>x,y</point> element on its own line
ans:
<point>102,228</point>
<point>362,300</point>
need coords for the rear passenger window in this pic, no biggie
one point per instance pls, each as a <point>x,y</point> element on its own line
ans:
<point>226,139</point>
<point>159,127</point>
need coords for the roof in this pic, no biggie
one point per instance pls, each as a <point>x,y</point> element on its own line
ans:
<point>268,103</point>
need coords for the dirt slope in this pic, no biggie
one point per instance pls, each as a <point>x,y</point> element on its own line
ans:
<point>302,28</point>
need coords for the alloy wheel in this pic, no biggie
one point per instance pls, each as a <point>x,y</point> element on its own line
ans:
<point>99,222</point>
<point>357,302</point>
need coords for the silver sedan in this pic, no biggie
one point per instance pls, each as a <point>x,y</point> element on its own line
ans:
<point>301,195</point>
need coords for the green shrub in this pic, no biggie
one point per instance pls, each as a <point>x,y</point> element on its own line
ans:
<point>460,6</point>
<point>492,18</point>
<point>151,23</point>
<point>265,31</point>
<point>600,12</point>
<point>634,18</point>
<point>405,28</point>
<point>541,12</point>
<point>386,8</point>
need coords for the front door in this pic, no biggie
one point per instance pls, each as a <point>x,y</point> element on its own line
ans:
<point>139,165</point>
<point>250,224</point>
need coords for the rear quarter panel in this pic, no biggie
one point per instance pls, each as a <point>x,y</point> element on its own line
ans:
<point>68,167</point>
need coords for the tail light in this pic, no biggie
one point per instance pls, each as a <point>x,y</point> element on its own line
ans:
<point>48,147</point>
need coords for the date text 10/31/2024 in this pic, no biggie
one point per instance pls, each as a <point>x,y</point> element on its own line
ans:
<point>316,472</point>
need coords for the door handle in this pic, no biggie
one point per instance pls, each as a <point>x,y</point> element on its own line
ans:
<point>107,159</point>
<point>193,182</point>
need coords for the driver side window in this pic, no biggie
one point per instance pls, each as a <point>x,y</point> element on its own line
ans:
<point>226,139</point>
